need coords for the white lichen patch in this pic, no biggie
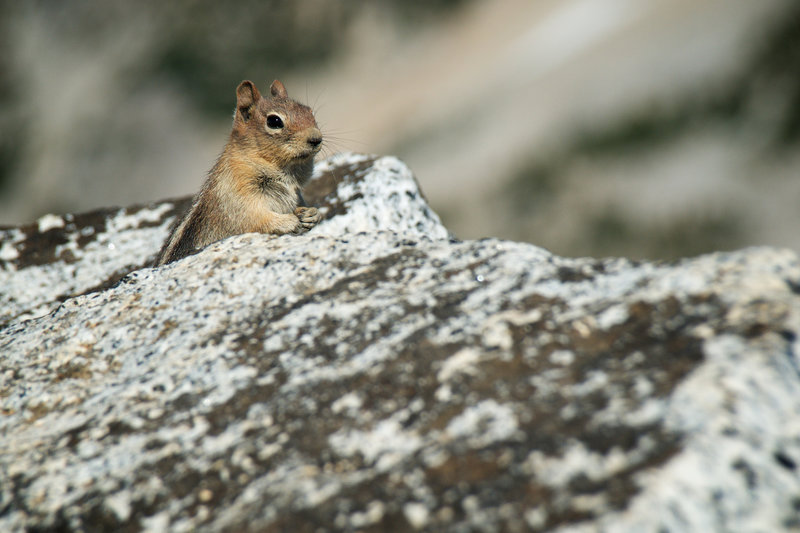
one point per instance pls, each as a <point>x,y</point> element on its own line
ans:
<point>120,504</point>
<point>417,514</point>
<point>616,314</point>
<point>576,460</point>
<point>562,357</point>
<point>463,361</point>
<point>496,332</point>
<point>121,221</point>
<point>8,252</point>
<point>483,424</point>
<point>384,445</point>
<point>371,515</point>
<point>8,247</point>
<point>49,221</point>
<point>349,403</point>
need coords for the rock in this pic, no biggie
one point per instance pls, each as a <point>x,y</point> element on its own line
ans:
<point>375,374</point>
<point>55,258</point>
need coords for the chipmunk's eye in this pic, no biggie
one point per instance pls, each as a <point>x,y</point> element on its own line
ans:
<point>274,122</point>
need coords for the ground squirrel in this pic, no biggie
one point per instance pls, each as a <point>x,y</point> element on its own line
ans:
<point>255,184</point>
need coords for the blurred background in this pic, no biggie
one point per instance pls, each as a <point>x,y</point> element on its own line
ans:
<point>644,128</point>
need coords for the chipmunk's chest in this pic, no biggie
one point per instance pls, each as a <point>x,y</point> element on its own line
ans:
<point>278,195</point>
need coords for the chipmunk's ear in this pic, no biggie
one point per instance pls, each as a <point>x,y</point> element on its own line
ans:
<point>277,89</point>
<point>247,96</point>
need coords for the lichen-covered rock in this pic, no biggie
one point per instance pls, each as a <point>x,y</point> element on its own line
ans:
<point>57,257</point>
<point>375,375</point>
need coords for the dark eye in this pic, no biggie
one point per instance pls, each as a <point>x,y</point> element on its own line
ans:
<point>274,122</point>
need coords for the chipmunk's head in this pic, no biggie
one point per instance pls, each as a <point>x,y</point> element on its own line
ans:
<point>276,129</point>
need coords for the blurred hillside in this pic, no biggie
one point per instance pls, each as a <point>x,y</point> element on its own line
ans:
<point>655,128</point>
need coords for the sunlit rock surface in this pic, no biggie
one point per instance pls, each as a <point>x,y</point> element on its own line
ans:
<point>375,374</point>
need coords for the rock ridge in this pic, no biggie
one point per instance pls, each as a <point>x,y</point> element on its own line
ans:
<point>376,374</point>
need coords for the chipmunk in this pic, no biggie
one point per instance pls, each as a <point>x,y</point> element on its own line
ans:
<point>255,184</point>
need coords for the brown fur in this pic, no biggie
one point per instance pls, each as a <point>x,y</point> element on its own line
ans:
<point>255,184</point>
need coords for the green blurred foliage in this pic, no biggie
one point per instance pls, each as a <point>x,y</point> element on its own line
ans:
<point>212,43</point>
<point>688,236</point>
<point>769,81</point>
<point>201,47</point>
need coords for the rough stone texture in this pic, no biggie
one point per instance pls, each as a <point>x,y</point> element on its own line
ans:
<point>57,257</point>
<point>376,375</point>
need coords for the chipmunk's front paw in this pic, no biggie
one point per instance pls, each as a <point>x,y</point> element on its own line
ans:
<point>308,216</point>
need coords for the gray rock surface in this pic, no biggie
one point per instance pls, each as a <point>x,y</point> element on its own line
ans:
<point>376,375</point>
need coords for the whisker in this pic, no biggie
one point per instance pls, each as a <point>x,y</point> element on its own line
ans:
<point>335,136</point>
<point>316,101</point>
<point>332,149</point>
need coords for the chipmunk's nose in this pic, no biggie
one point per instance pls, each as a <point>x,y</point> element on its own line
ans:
<point>314,138</point>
